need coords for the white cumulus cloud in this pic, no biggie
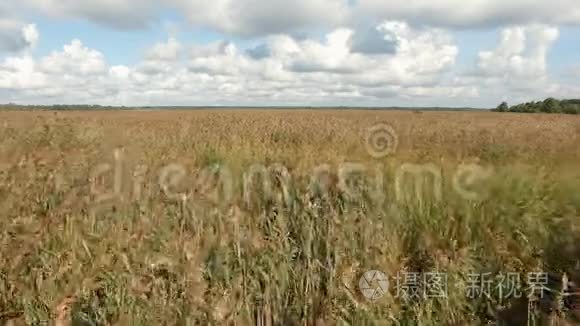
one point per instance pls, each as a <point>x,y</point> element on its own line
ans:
<point>21,73</point>
<point>257,17</point>
<point>74,59</point>
<point>16,36</point>
<point>168,51</point>
<point>521,53</point>
<point>122,14</point>
<point>459,13</point>
<point>388,63</point>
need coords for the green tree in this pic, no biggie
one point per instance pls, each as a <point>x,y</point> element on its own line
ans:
<point>503,107</point>
<point>571,109</point>
<point>550,105</point>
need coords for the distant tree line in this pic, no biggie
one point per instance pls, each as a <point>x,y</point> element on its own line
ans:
<point>58,107</point>
<point>549,105</point>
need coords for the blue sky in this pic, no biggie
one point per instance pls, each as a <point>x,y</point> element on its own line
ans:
<point>364,53</point>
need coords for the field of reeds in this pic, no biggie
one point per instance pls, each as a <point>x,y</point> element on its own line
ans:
<point>289,217</point>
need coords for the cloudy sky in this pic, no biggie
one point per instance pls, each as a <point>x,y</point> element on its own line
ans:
<point>288,52</point>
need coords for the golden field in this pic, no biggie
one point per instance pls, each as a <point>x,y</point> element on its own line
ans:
<point>161,217</point>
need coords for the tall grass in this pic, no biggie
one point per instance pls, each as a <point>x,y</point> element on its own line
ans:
<point>197,252</point>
